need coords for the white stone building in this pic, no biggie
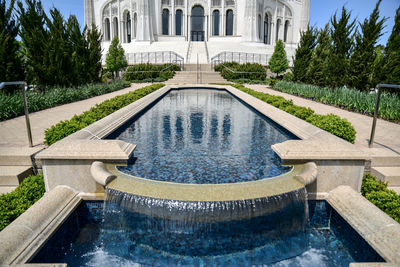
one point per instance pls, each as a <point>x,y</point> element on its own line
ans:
<point>204,27</point>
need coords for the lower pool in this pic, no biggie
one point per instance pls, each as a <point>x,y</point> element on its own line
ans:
<point>111,236</point>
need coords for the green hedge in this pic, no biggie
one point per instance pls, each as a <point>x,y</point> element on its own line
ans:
<point>345,98</point>
<point>259,72</point>
<point>382,197</point>
<point>158,73</point>
<point>330,123</point>
<point>12,106</point>
<point>17,202</point>
<point>78,122</point>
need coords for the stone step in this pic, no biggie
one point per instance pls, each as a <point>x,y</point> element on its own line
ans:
<point>391,175</point>
<point>17,156</point>
<point>385,161</point>
<point>7,189</point>
<point>14,175</point>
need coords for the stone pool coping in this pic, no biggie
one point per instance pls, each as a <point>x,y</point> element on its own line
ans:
<point>28,233</point>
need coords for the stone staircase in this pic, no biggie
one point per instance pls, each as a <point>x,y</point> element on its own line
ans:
<point>386,167</point>
<point>190,75</point>
<point>15,165</point>
<point>197,52</point>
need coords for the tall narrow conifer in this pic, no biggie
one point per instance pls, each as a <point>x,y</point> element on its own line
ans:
<point>304,53</point>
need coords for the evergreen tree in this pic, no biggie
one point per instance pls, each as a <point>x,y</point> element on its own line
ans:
<point>378,75</point>
<point>318,68</point>
<point>392,66</point>
<point>361,62</point>
<point>35,39</point>
<point>59,50</point>
<point>93,37</point>
<point>11,63</point>
<point>115,58</point>
<point>304,54</point>
<point>342,41</point>
<point>79,57</point>
<point>278,63</point>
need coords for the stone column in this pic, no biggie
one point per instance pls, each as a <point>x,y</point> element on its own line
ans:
<point>89,13</point>
<point>145,25</point>
<point>250,20</point>
<point>173,15</point>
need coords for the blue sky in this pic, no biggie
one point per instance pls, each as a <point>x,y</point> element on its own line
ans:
<point>321,10</point>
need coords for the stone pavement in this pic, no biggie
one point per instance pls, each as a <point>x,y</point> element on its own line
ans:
<point>387,134</point>
<point>13,132</point>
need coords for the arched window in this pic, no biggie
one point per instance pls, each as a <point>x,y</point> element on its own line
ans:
<point>278,25</point>
<point>229,22</point>
<point>134,25</point>
<point>266,30</point>
<point>259,27</point>
<point>178,22</point>
<point>216,22</point>
<point>165,22</point>
<point>107,29</point>
<point>285,33</point>
<point>128,28</point>
<point>115,22</point>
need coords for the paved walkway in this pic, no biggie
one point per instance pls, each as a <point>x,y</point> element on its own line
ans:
<point>387,134</point>
<point>13,132</point>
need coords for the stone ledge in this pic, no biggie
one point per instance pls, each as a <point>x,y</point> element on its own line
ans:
<point>26,235</point>
<point>375,226</point>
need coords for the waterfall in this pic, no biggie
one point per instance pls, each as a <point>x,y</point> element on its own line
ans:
<point>211,228</point>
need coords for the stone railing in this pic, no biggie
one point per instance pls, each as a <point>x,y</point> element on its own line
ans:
<point>160,57</point>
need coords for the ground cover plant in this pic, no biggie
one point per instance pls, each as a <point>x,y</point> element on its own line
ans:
<point>235,72</point>
<point>78,122</point>
<point>382,197</point>
<point>330,123</point>
<point>11,105</point>
<point>350,99</point>
<point>151,72</point>
<point>17,202</point>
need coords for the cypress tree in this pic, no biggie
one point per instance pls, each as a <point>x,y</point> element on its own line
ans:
<point>278,62</point>
<point>93,37</point>
<point>115,58</point>
<point>342,45</point>
<point>378,75</point>
<point>318,68</point>
<point>362,60</point>
<point>392,66</point>
<point>304,53</point>
<point>35,39</point>
<point>11,63</point>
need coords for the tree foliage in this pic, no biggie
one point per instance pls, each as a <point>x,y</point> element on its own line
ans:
<point>392,66</point>
<point>115,58</point>
<point>11,64</point>
<point>362,60</point>
<point>304,54</point>
<point>278,63</point>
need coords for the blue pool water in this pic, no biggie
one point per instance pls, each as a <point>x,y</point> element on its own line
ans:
<point>203,137</point>
<point>93,236</point>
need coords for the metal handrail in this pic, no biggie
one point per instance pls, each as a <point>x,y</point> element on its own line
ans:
<point>378,99</point>
<point>155,57</point>
<point>27,121</point>
<point>242,57</point>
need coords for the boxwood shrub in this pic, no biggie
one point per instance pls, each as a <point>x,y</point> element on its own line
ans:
<point>12,105</point>
<point>248,71</point>
<point>382,197</point>
<point>150,72</point>
<point>330,123</point>
<point>17,202</point>
<point>78,122</point>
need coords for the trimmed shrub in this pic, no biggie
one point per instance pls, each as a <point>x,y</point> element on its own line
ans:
<point>232,71</point>
<point>385,199</point>
<point>12,105</point>
<point>22,198</point>
<point>330,123</point>
<point>335,125</point>
<point>150,72</point>
<point>78,122</point>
